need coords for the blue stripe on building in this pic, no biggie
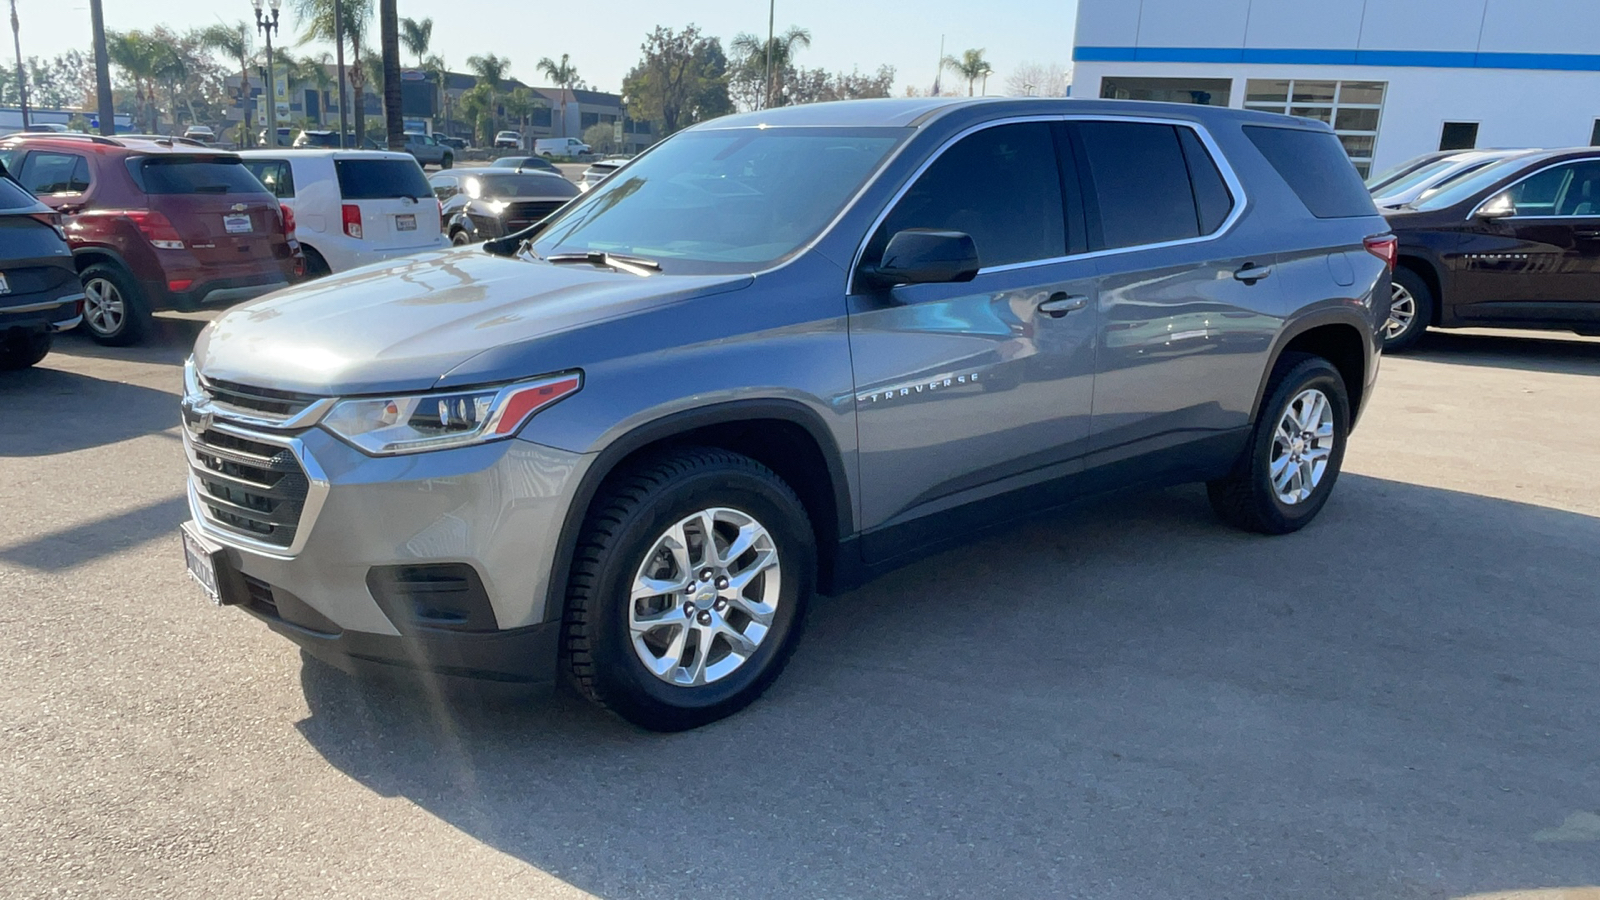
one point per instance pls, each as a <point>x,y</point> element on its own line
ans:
<point>1431,59</point>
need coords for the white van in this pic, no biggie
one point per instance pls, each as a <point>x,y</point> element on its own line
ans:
<point>351,207</point>
<point>560,147</point>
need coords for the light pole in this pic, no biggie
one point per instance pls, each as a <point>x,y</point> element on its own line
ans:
<point>22,78</point>
<point>772,20</point>
<point>338,53</point>
<point>267,25</point>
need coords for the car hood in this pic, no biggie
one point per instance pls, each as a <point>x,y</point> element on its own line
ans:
<point>404,324</point>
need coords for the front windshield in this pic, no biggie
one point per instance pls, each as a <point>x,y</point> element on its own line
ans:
<point>1407,182</point>
<point>1465,188</point>
<point>733,200</point>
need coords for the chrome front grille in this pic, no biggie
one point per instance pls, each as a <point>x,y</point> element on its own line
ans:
<point>248,487</point>
<point>228,395</point>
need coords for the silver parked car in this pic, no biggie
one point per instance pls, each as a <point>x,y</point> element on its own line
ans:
<point>779,354</point>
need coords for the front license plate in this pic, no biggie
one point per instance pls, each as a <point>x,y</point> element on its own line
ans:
<point>407,222</point>
<point>201,558</point>
<point>237,224</point>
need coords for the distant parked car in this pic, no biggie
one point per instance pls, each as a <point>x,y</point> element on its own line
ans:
<point>39,289</point>
<point>351,207</point>
<point>1381,180</point>
<point>1415,185</point>
<point>489,203</point>
<point>525,162</point>
<point>156,225</point>
<point>329,140</point>
<point>552,147</point>
<point>428,151</point>
<point>599,170</point>
<point>1514,245</point>
<point>200,133</point>
<point>508,140</point>
<point>46,128</point>
<point>454,143</point>
<point>285,137</point>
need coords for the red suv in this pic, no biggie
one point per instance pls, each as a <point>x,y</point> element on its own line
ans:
<point>156,225</point>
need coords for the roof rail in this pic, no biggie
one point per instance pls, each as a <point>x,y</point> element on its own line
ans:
<point>69,135</point>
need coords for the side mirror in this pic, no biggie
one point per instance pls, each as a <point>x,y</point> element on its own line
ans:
<point>925,256</point>
<point>1497,207</point>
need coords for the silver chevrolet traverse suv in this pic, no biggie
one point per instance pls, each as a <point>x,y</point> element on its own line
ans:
<point>774,356</point>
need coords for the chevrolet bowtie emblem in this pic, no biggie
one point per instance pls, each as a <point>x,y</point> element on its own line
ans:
<point>239,207</point>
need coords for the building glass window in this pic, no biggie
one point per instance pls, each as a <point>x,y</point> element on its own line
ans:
<point>1202,91</point>
<point>1458,136</point>
<point>1353,108</point>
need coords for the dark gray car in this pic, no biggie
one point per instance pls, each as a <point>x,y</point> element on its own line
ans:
<point>39,289</point>
<point>776,355</point>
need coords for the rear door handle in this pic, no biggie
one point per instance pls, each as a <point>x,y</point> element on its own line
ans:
<point>1062,303</point>
<point>1588,234</point>
<point>1250,273</point>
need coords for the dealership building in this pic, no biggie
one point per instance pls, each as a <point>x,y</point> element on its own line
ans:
<point>1395,78</point>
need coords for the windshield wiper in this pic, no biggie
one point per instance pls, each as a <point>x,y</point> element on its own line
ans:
<point>633,265</point>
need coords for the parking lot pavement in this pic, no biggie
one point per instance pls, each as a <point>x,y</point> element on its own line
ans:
<point>1127,701</point>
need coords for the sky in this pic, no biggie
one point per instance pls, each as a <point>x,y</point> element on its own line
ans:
<point>603,38</point>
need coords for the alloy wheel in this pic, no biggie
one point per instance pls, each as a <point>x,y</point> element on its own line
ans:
<point>1301,446</point>
<point>704,598</point>
<point>103,306</point>
<point>1402,312</point>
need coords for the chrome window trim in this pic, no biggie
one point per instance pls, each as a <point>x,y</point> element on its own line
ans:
<point>1224,167</point>
<point>1540,171</point>
<point>316,493</point>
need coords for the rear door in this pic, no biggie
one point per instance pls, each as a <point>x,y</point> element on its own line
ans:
<point>224,216</point>
<point>398,209</point>
<point>59,178</point>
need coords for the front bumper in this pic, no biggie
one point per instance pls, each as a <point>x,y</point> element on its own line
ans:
<point>494,509</point>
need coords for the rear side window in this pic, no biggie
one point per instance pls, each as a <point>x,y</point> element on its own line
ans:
<point>1317,169</point>
<point>1001,185</point>
<point>1141,183</point>
<point>55,173</point>
<point>1212,199</point>
<point>381,179</point>
<point>193,175</point>
<point>12,196</point>
<point>275,174</point>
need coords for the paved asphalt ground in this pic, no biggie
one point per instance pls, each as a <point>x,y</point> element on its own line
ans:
<point>1130,701</point>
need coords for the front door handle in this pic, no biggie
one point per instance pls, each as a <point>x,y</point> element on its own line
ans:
<point>1062,303</point>
<point>1588,234</point>
<point>1250,273</point>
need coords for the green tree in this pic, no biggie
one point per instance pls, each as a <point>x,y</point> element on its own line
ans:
<point>435,65</point>
<point>682,79</point>
<point>315,18</point>
<point>563,75</point>
<point>753,56</point>
<point>601,138</point>
<point>520,104</point>
<point>140,58</point>
<point>236,43</point>
<point>477,107</point>
<point>820,85</point>
<point>971,66</point>
<point>418,37</point>
<point>491,70</point>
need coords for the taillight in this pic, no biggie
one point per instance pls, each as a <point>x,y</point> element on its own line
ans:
<point>156,228</point>
<point>288,220</point>
<point>53,219</point>
<point>1385,247</point>
<point>352,220</point>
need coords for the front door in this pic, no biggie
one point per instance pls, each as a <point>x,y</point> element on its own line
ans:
<point>968,391</point>
<point>1542,262</point>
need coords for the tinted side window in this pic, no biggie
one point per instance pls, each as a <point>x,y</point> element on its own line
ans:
<point>1141,183</point>
<point>55,173</point>
<point>1001,185</point>
<point>12,196</point>
<point>1317,169</point>
<point>1212,200</point>
<point>276,174</point>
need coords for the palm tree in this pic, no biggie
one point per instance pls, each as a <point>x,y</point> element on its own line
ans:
<point>761,58</point>
<point>563,75</point>
<point>235,42</point>
<point>477,106</point>
<point>316,19</point>
<point>520,104</point>
<point>417,36</point>
<point>971,66</point>
<point>315,70</point>
<point>491,70</point>
<point>441,73</point>
<point>140,59</point>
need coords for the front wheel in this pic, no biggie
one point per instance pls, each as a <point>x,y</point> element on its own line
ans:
<point>1296,450</point>
<point>689,589</point>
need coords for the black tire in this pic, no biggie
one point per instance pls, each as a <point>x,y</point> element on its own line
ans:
<point>135,320</point>
<point>548,155</point>
<point>1422,301</point>
<point>316,265</point>
<point>448,162</point>
<point>636,508</point>
<point>24,349</point>
<point>459,238</point>
<point>1246,498</point>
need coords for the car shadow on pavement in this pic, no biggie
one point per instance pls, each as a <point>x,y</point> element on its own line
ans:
<point>1558,352</point>
<point>1129,700</point>
<point>46,411</point>
<point>71,547</point>
<point>169,341</point>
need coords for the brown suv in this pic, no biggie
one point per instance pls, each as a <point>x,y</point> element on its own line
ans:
<point>156,224</point>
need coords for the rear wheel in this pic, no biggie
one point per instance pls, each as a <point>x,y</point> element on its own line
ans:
<point>115,311</point>
<point>316,265</point>
<point>1285,475</point>
<point>689,589</point>
<point>22,349</point>
<point>1410,310</point>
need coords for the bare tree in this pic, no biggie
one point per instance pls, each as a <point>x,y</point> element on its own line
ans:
<point>1033,79</point>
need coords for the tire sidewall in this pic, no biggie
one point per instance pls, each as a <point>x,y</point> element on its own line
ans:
<point>1422,298</point>
<point>1312,373</point>
<point>620,676</point>
<point>133,305</point>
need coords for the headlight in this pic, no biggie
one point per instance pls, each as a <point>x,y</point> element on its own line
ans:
<point>384,426</point>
